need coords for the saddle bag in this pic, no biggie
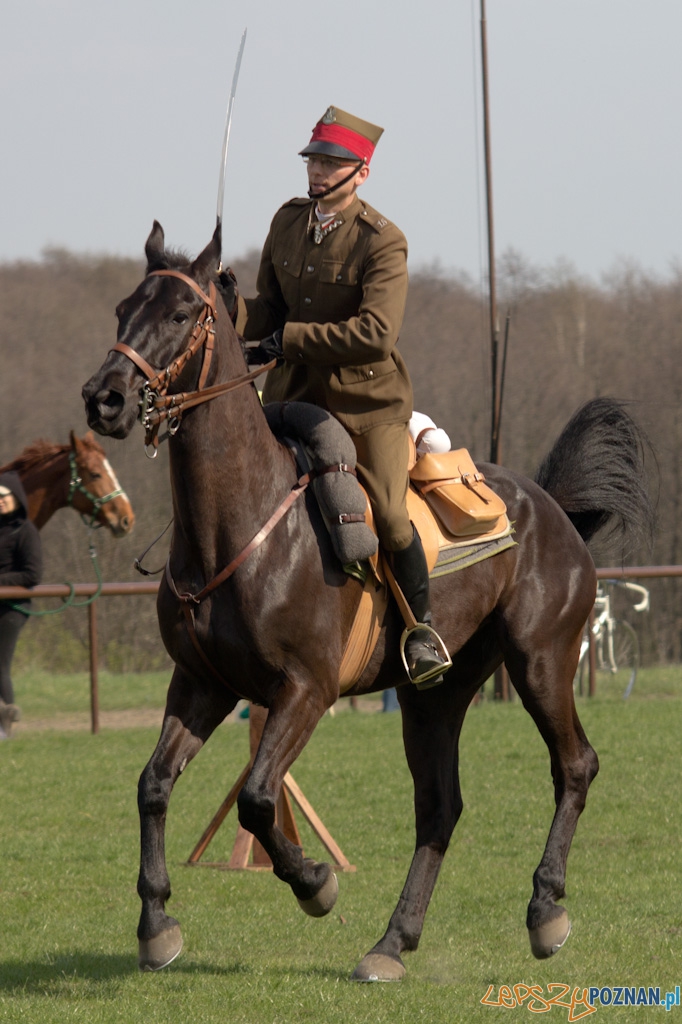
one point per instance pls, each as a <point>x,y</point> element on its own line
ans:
<point>457,492</point>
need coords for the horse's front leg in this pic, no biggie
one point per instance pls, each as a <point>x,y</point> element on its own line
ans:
<point>293,715</point>
<point>191,716</point>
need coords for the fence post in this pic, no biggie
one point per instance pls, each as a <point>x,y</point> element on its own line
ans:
<point>94,682</point>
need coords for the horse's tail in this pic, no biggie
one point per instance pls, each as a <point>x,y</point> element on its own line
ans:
<point>596,472</point>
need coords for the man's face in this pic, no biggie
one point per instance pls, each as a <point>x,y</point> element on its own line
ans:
<point>327,171</point>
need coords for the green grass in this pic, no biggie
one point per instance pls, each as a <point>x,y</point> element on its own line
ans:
<point>69,856</point>
<point>41,694</point>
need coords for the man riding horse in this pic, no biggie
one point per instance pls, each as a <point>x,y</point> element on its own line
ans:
<point>332,285</point>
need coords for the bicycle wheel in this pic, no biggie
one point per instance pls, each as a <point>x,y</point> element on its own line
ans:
<point>625,656</point>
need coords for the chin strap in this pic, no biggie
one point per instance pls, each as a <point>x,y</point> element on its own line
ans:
<point>344,181</point>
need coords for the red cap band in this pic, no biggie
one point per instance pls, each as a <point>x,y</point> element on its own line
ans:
<point>340,136</point>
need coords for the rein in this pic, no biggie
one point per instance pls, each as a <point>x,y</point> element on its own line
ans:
<point>156,405</point>
<point>69,601</point>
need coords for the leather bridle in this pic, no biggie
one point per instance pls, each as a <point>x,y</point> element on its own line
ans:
<point>156,405</point>
<point>76,484</point>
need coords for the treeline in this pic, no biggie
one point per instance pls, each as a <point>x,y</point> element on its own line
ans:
<point>569,340</point>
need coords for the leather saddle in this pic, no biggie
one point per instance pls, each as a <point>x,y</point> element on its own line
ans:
<point>451,506</point>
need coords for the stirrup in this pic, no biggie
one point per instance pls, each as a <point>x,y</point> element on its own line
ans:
<point>431,677</point>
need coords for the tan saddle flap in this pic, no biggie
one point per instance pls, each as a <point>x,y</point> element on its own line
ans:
<point>457,492</point>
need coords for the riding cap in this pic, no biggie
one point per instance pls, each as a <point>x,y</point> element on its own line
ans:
<point>343,135</point>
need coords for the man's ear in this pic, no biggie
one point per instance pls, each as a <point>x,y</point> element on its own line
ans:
<point>362,175</point>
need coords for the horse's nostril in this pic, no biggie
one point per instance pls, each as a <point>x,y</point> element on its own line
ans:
<point>108,404</point>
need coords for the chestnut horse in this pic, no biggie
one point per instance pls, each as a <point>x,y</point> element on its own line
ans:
<point>76,475</point>
<point>259,609</point>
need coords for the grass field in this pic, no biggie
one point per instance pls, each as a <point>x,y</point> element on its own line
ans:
<point>68,905</point>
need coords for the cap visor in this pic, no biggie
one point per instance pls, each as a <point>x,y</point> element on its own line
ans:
<point>329,149</point>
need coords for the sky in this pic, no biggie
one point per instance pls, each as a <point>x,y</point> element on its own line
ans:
<point>113,115</point>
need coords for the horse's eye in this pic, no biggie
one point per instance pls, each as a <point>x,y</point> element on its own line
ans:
<point>180,317</point>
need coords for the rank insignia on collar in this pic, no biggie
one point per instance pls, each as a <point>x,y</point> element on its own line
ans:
<point>320,232</point>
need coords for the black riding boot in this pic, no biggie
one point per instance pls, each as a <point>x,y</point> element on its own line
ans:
<point>424,650</point>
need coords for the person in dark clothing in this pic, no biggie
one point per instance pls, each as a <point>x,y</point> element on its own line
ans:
<point>21,565</point>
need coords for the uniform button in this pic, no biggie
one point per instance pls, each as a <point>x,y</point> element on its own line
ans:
<point>306,302</point>
<point>371,373</point>
<point>311,270</point>
<point>286,263</point>
<point>339,277</point>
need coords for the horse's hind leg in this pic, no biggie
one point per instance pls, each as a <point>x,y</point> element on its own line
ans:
<point>432,721</point>
<point>574,765</point>
<point>191,716</point>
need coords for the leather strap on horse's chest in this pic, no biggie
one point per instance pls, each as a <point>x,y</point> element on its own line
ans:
<point>188,600</point>
<point>295,493</point>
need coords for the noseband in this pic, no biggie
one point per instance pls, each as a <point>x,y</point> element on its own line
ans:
<point>156,405</point>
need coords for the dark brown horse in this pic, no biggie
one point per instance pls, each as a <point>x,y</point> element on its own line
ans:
<point>76,475</point>
<point>273,629</point>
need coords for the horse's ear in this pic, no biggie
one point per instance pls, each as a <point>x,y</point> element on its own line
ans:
<point>75,441</point>
<point>155,246</point>
<point>207,263</point>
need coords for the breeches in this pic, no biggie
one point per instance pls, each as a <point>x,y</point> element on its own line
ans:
<point>11,623</point>
<point>382,456</point>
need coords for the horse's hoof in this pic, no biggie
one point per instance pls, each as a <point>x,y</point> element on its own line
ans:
<point>379,967</point>
<point>324,900</point>
<point>548,939</point>
<point>161,950</point>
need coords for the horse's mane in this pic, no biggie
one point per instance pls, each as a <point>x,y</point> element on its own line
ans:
<point>173,259</point>
<point>41,451</point>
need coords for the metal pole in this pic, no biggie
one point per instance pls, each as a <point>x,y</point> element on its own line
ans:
<point>492,291</point>
<point>501,680</point>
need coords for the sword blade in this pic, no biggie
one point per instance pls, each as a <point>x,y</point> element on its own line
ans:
<point>226,138</point>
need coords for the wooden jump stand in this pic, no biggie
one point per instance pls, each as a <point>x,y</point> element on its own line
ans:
<point>247,852</point>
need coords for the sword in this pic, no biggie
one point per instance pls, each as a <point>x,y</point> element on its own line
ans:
<point>228,122</point>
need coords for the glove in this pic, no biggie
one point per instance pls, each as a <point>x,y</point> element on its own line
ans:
<point>266,350</point>
<point>227,286</point>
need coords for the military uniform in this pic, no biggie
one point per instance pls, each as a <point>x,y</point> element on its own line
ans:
<point>330,304</point>
<point>340,303</point>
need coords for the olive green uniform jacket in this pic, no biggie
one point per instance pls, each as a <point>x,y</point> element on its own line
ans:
<point>340,304</point>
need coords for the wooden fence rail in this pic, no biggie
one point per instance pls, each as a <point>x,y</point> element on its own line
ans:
<point>80,590</point>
